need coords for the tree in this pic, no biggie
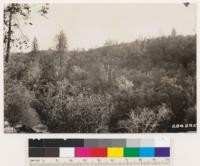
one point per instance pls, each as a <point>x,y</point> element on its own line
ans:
<point>61,42</point>
<point>35,46</point>
<point>61,47</point>
<point>13,14</point>
<point>110,43</point>
<point>173,33</point>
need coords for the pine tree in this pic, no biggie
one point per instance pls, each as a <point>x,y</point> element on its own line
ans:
<point>173,33</point>
<point>61,42</point>
<point>35,46</point>
<point>12,13</point>
<point>61,49</point>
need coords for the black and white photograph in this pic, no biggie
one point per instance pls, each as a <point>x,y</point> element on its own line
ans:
<point>100,67</point>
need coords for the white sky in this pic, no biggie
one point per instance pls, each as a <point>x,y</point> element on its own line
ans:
<point>90,25</point>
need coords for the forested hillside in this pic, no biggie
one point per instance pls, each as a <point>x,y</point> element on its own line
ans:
<point>143,86</point>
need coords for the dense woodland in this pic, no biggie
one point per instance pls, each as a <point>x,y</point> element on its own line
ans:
<point>143,86</point>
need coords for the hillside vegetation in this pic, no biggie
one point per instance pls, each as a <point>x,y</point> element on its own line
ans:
<point>143,86</point>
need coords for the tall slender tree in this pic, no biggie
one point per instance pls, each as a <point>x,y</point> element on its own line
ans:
<point>61,42</point>
<point>14,13</point>
<point>35,46</point>
<point>173,33</point>
<point>61,47</point>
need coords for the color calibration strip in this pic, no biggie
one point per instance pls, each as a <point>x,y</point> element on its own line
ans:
<point>99,148</point>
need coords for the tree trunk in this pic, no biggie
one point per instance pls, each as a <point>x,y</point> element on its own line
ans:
<point>61,65</point>
<point>9,37</point>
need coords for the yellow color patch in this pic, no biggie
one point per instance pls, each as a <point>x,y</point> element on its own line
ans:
<point>115,152</point>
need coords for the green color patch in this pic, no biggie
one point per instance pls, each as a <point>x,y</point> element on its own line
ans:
<point>131,152</point>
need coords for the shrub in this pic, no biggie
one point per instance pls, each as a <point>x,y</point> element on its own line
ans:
<point>17,103</point>
<point>148,120</point>
<point>80,114</point>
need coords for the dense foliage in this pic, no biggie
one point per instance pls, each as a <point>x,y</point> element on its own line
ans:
<point>143,86</point>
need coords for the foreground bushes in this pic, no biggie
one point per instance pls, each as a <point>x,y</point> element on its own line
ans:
<point>144,120</point>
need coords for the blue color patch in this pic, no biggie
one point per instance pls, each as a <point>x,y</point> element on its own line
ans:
<point>147,152</point>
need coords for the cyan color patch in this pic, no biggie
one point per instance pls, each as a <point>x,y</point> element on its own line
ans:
<point>147,152</point>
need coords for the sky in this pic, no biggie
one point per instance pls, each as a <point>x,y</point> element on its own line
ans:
<point>90,25</point>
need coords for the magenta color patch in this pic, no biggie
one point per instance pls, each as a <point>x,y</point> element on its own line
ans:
<point>83,152</point>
